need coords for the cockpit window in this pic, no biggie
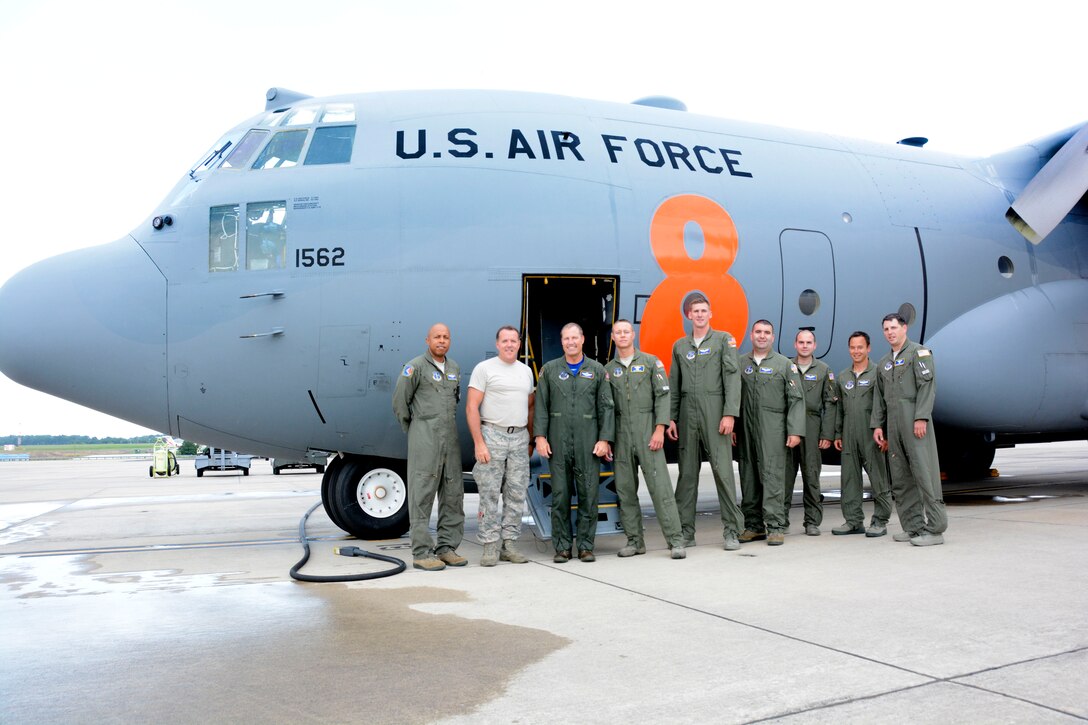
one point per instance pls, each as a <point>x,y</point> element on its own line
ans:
<point>302,116</point>
<point>282,151</point>
<point>331,145</point>
<point>266,235</point>
<point>213,156</point>
<point>223,238</point>
<point>338,113</point>
<point>243,152</point>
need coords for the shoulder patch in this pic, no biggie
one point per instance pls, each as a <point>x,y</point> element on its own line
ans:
<point>922,352</point>
<point>661,364</point>
<point>407,371</point>
<point>830,375</point>
<point>793,367</point>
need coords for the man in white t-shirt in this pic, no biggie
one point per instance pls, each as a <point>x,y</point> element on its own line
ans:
<point>500,418</point>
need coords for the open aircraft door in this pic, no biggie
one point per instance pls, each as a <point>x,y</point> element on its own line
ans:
<point>808,289</point>
<point>548,303</point>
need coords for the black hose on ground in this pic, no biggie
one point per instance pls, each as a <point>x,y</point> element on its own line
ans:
<point>398,567</point>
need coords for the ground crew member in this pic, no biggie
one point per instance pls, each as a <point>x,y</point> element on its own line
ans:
<point>903,417</point>
<point>853,439</point>
<point>425,402</point>
<point>500,419</point>
<point>573,424</point>
<point>821,403</point>
<point>772,422</point>
<point>640,393</point>
<point>705,385</point>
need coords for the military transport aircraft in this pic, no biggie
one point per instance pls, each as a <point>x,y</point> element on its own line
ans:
<point>269,302</point>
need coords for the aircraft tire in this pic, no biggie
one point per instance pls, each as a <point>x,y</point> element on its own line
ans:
<point>370,497</point>
<point>328,484</point>
<point>964,456</point>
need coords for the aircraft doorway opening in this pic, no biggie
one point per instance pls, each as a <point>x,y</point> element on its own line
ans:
<point>551,301</point>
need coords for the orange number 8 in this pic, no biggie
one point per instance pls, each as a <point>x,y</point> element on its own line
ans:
<point>662,319</point>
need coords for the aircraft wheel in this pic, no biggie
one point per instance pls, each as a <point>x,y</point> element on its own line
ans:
<point>370,497</point>
<point>328,485</point>
<point>964,456</point>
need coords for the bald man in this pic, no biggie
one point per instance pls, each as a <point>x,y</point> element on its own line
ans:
<point>425,402</point>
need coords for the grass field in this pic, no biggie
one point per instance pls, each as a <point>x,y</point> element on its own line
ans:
<point>77,450</point>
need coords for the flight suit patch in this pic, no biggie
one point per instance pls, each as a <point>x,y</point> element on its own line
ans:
<point>810,376</point>
<point>618,372</point>
<point>748,370</point>
<point>407,371</point>
<point>863,383</point>
<point>451,376</point>
<point>661,364</point>
<point>436,375</point>
<point>638,368</point>
<point>888,366</point>
<point>690,355</point>
<point>849,385</point>
<point>564,375</point>
<point>922,352</point>
<point>704,350</point>
<point>767,371</point>
<point>900,363</point>
<point>586,374</point>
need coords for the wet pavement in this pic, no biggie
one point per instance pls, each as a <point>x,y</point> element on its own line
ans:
<point>127,599</point>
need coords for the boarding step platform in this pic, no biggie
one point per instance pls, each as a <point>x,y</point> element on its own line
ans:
<point>540,501</point>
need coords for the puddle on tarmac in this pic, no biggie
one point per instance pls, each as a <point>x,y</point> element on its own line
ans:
<point>156,646</point>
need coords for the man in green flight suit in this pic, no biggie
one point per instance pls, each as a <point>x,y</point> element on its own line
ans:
<point>705,386</point>
<point>903,407</point>
<point>640,394</point>
<point>821,403</point>
<point>425,402</point>
<point>853,438</point>
<point>772,422</point>
<point>573,423</point>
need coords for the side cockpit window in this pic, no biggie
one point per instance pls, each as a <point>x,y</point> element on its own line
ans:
<point>266,235</point>
<point>223,238</point>
<point>258,242</point>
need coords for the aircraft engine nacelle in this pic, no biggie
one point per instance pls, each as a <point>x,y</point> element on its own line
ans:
<point>1024,351</point>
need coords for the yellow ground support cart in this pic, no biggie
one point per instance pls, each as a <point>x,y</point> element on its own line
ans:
<point>163,460</point>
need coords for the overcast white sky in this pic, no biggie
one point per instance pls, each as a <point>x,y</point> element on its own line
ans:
<point>106,104</point>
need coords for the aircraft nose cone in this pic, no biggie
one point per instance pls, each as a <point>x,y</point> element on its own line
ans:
<point>90,327</point>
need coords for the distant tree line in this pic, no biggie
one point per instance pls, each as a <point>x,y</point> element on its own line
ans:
<point>45,440</point>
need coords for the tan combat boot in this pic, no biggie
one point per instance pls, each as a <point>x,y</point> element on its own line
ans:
<point>511,554</point>
<point>491,554</point>
<point>428,564</point>
<point>450,557</point>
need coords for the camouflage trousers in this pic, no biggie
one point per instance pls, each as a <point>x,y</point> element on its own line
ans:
<point>502,483</point>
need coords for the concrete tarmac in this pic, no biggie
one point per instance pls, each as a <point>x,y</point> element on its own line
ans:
<point>126,599</point>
